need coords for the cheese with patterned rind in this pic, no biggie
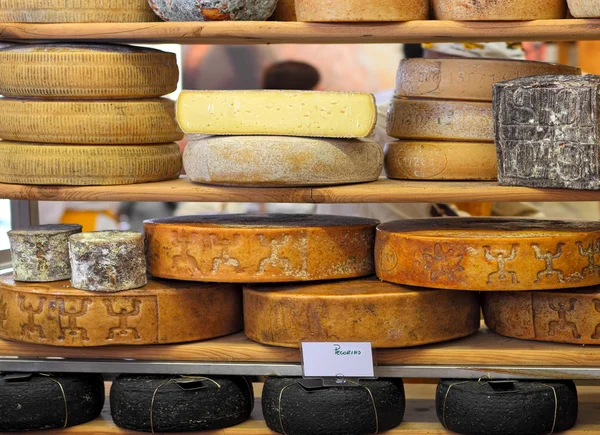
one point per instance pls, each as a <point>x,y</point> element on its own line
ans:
<point>361,10</point>
<point>494,10</point>
<point>213,10</point>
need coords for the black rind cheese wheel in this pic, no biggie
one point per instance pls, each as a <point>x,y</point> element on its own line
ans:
<point>165,403</point>
<point>506,407</point>
<point>32,401</point>
<point>373,406</point>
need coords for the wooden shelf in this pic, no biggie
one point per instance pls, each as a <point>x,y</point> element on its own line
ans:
<point>267,32</point>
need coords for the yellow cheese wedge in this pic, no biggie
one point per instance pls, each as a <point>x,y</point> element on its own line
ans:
<point>494,10</point>
<point>283,113</point>
<point>361,10</point>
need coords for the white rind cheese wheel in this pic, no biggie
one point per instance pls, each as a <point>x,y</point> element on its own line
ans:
<point>34,163</point>
<point>281,161</point>
<point>427,160</point>
<point>361,10</point>
<point>108,122</point>
<point>494,10</point>
<point>584,8</point>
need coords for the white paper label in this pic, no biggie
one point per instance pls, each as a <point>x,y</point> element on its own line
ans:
<point>337,360</point>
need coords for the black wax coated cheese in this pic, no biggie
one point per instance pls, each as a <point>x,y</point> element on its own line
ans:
<point>506,407</point>
<point>374,406</point>
<point>181,403</point>
<point>36,402</point>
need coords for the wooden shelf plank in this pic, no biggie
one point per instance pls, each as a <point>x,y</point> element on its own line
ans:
<point>267,32</point>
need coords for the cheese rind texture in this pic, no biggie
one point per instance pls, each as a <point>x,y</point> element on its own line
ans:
<point>108,122</point>
<point>213,10</point>
<point>285,11</point>
<point>278,113</point>
<point>429,160</point>
<point>260,248</point>
<point>387,315</point>
<point>494,10</point>
<point>74,165</point>
<point>281,161</point>
<point>56,314</point>
<point>584,8</point>
<point>488,254</point>
<point>361,10</point>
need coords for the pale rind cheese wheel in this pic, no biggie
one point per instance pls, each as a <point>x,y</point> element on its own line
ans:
<point>488,254</point>
<point>213,10</point>
<point>357,310</point>
<point>584,8</point>
<point>494,10</point>
<point>361,10</point>
<point>281,161</point>
<point>57,314</point>
<point>107,122</point>
<point>35,163</point>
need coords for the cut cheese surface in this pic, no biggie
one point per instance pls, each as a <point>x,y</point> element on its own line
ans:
<point>362,10</point>
<point>488,254</point>
<point>584,8</point>
<point>283,113</point>
<point>57,314</point>
<point>281,161</point>
<point>494,10</point>
<point>429,160</point>
<point>260,248</point>
<point>35,163</point>
<point>387,315</point>
<point>108,122</point>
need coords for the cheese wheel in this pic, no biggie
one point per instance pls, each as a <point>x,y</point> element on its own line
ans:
<point>213,10</point>
<point>488,254</point>
<point>81,11</point>
<point>411,118</point>
<point>285,11</point>
<point>84,71</point>
<point>584,8</point>
<point>283,113</point>
<point>494,10</point>
<point>466,79</point>
<point>160,312</point>
<point>426,160</point>
<point>34,163</point>
<point>357,310</point>
<point>282,161</point>
<point>260,248</point>
<point>41,253</point>
<point>361,10</point>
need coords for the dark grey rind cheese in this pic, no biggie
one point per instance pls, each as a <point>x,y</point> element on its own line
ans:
<point>31,401</point>
<point>374,406</point>
<point>41,253</point>
<point>506,408</point>
<point>546,131</point>
<point>107,261</point>
<point>213,10</point>
<point>181,403</point>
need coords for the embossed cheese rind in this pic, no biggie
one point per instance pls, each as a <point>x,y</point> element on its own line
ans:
<point>278,113</point>
<point>494,10</point>
<point>41,253</point>
<point>387,315</point>
<point>557,316</point>
<point>428,160</point>
<point>75,165</point>
<point>282,161</point>
<point>466,79</point>
<point>58,315</point>
<point>412,118</point>
<point>260,248</point>
<point>546,131</point>
<point>90,71</point>
<point>108,122</point>
<point>489,254</point>
<point>213,10</point>
<point>359,10</point>
<point>285,11</point>
<point>584,8</point>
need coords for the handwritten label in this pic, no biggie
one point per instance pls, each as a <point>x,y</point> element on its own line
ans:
<point>337,360</point>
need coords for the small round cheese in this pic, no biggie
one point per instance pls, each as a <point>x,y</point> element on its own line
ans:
<point>361,10</point>
<point>213,10</point>
<point>494,10</point>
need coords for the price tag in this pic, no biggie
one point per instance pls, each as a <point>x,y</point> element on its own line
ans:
<point>337,360</point>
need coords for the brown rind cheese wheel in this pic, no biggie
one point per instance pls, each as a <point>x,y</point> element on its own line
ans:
<point>494,10</point>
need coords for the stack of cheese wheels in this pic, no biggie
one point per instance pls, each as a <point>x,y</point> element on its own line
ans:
<point>279,138</point>
<point>80,114</point>
<point>442,114</point>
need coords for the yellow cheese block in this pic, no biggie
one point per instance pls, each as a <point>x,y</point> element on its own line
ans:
<point>281,161</point>
<point>282,113</point>
<point>584,8</point>
<point>78,11</point>
<point>285,11</point>
<point>361,10</point>
<point>86,71</point>
<point>35,163</point>
<point>412,118</point>
<point>466,79</point>
<point>108,122</point>
<point>494,10</point>
<point>428,160</point>
<point>387,315</point>
<point>489,254</point>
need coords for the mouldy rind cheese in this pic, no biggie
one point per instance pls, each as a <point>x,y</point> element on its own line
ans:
<point>260,248</point>
<point>494,10</point>
<point>361,10</point>
<point>282,161</point>
<point>213,10</point>
<point>584,8</point>
<point>58,315</point>
<point>488,254</point>
<point>283,113</point>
